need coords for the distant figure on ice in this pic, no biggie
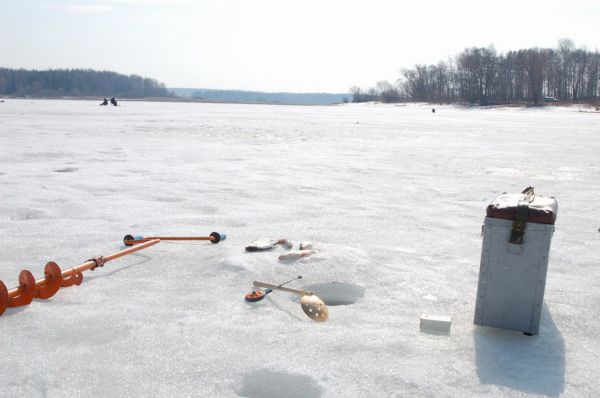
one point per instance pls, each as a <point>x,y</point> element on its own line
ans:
<point>113,101</point>
<point>432,110</point>
<point>105,102</point>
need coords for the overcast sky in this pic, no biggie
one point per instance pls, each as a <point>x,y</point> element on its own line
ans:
<point>278,45</point>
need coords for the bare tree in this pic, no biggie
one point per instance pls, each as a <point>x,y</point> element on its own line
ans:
<point>481,75</point>
<point>387,92</point>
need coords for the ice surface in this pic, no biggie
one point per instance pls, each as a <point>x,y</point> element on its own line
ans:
<point>392,196</point>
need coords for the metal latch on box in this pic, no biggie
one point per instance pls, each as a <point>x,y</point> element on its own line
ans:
<point>518,227</point>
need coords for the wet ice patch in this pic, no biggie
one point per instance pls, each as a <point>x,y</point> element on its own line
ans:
<point>66,170</point>
<point>337,293</point>
<point>269,384</point>
<point>28,214</point>
<point>170,199</point>
<point>502,171</point>
<point>37,156</point>
<point>234,265</point>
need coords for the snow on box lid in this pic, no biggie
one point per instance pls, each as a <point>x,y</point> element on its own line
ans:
<point>542,210</point>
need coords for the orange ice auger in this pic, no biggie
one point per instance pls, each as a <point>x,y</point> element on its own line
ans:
<point>54,279</point>
<point>130,240</point>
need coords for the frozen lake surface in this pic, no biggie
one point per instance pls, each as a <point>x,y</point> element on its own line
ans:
<point>392,197</point>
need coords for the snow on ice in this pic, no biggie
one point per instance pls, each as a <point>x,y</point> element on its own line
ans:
<point>392,198</point>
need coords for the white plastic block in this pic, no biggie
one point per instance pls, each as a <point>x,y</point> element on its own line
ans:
<point>436,323</point>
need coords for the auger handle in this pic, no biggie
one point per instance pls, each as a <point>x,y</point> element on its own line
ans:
<point>214,237</point>
<point>92,263</point>
<point>285,289</point>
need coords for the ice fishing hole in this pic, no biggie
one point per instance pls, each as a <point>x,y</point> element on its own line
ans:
<point>265,383</point>
<point>337,293</point>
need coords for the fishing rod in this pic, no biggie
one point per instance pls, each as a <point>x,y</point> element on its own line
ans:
<point>311,304</point>
<point>257,295</point>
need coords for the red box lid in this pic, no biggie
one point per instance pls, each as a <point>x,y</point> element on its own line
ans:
<point>542,210</point>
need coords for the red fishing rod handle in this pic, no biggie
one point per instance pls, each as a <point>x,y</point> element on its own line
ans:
<point>255,295</point>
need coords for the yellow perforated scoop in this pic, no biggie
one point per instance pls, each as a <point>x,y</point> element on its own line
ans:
<point>312,305</point>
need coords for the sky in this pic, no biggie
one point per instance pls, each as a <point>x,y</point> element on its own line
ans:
<point>278,45</point>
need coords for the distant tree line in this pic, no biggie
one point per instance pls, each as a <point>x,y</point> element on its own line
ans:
<point>77,82</point>
<point>482,76</point>
<point>261,97</point>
